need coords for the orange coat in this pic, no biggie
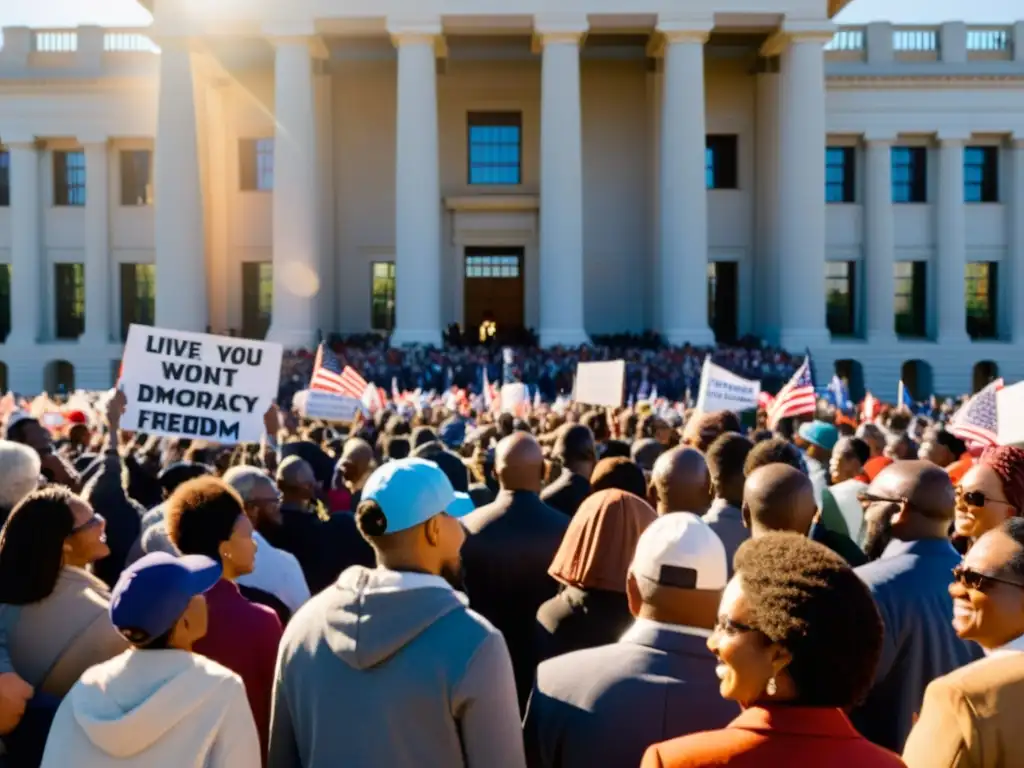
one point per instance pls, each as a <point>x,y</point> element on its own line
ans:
<point>775,737</point>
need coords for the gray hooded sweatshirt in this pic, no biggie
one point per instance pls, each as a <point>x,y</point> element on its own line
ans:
<point>393,670</point>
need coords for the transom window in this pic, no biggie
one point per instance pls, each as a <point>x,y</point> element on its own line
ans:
<point>492,266</point>
<point>909,175</point>
<point>495,148</point>
<point>981,174</point>
<point>69,178</point>
<point>839,174</point>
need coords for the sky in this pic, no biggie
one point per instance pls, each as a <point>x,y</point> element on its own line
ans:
<point>128,13</point>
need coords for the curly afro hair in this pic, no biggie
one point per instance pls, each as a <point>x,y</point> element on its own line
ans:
<point>807,599</point>
<point>778,450</point>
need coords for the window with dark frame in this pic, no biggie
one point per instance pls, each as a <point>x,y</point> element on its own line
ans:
<point>256,165</point>
<point>5,178</point>
<point>911,278</point>
<point>495,148</point>
<point>70,300</point>
<point>257,298</point>
<point>5,301</point>
<point>909,174</point>
<point>981,174</point>
<point>136,177</point>
<point>840,164</point>
<point>721,163</point>
<point>69,178</point>
<point>841,297</point>
<point>492,266</point>
<point>138,295</point>
<point>382,296</point>
<point>981,286</point>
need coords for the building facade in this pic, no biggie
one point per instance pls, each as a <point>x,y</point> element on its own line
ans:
<point>286,169</point>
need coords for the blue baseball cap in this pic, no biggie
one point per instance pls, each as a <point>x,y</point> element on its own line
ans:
<point>819,433</point>
<point>411,491</point>
<point>153,593</point>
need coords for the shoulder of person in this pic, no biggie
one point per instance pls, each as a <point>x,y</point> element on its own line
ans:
<point>981,677</point>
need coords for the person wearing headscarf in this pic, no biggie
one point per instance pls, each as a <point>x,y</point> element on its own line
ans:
<point>591,565</point>
<point>990,492</point>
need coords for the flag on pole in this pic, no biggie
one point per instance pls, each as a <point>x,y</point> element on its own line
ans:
<point>977,421</point>
<point>723,390</point>
<point>839,391</point>
<point>329,376</point>
<point>903,399</point>
<point>797,398</point>
<point>870,408</point>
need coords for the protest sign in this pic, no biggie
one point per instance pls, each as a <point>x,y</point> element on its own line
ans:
<point>513,396</point>
<point>722,390</point>
<point>600,383</point>
<point>1010,413</point>
<point>314,404</point>
<point>181,384</point>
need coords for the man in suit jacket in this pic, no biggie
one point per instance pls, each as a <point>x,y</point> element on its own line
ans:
<point>575,448</point>
<point>970,717</point>
<point>509,549</point>
<point>604,706</point>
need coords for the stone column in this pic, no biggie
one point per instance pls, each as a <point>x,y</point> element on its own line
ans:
<point>683,187</point>
<point>180,240</point>
<point>26,244</point>
<point>951,242</point>
<point>802,189</point>
<point>879,243</point>
<point>417,187</point>
<point>561,183</point>
<point>1013,307</point>
<point>295,201</point>
<point>98,276</point>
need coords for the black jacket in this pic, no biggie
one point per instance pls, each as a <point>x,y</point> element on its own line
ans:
<point>575,619</point>
<point>567,492</point>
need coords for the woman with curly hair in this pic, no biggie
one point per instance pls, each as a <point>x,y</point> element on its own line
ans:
<point>990,492</point>
<point>797,641</point>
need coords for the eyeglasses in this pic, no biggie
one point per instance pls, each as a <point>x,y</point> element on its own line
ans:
<point>727,626</point>
<point>979,582</point>
<point>93,522</point>
<point>870,498</point>
<point>978,498</point>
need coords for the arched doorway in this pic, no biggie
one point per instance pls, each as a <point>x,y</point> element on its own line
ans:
<point>59,377</point>
<point>917,378</point>
<point>851,372</point>
<point>985,373</point>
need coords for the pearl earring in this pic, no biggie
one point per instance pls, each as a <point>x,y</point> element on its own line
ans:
<point>772,688</point>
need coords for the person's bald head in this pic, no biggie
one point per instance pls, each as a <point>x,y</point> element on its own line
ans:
<point>575,447</point>
<point>519,463</point>
<point>296,480</point>
<point>681,481</point>
<point>778,497</point>
<point>908,500</point>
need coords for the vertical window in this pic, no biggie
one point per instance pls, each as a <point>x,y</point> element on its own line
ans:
<point>721,162</point>
<point>5,301</point>
<point>70,304</point>
<point>382,295</point>
<point>69,178</point>
<point>138,295</point>
<point>909,175</point>
<point>839,174</point>
<point>911,290</point>
<point>981,174</point>
<point>980,288</point>
<point>136,177</point>
<point>5,178</point>
<point>840,297</point>
<point>256,164</point>
<point>257,298</point>
<point>495,148</point>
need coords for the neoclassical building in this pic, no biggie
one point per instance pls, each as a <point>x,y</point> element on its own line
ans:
<point>284,169</point>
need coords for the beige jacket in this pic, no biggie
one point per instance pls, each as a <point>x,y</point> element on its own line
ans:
<point>54,641</point>
<point>971,717</point>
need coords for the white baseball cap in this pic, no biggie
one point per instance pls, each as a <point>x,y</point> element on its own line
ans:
<point>680,550</point>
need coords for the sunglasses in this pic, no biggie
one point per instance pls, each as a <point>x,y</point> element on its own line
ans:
<point>93,522</point>
<point>727,626</point>
<point>978,498</point>
<point>980,582</point>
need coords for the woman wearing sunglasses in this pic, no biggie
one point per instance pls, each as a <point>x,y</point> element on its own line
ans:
<point>990,492</point>
<point>797,641</point>
<point>60,624</point>
<point>972,715</point>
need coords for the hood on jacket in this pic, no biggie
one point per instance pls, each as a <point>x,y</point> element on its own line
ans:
<point>382,611</point>
<point>125,705</point>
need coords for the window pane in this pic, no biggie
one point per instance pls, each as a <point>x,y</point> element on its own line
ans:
<point>495,148</point>
<point>981,174</point>
<point>136,184</point>
<point>382,296</point>
<point>70,300</point>
<point>69,178</point>
<point>980,291</point>
<point>721,161</point>
<point>5,178</point>
<point>909,300</point>
<point>839,293</point>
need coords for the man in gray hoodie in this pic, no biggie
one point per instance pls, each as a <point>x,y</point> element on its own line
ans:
<point>388,666</point>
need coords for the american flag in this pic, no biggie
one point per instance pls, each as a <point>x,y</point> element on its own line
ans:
<point>328,376</point>
<point>796,398</point>
<point>977,420</point>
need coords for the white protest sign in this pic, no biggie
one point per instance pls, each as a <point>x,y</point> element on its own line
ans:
<point>181,384</point>
<point>512,396</point>
<point>327,406</point>
<point>723,390</point>
<point>600,383</point>
<point>1010,414</point>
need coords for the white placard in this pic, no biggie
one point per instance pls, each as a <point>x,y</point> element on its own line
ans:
<point>1010,414</point>
<point>181,384</point>
<point>600,383</point>
<point>324,405</point>
<point>723,390</point>
<point>512,396</point>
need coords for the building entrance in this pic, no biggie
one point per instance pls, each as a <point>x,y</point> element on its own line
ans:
<point>493,292</point>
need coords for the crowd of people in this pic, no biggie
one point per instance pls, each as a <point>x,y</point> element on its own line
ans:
<point>588,586</point>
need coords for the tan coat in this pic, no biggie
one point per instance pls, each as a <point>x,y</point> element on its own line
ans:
<point>55,640</point>
<point>971,717</point>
